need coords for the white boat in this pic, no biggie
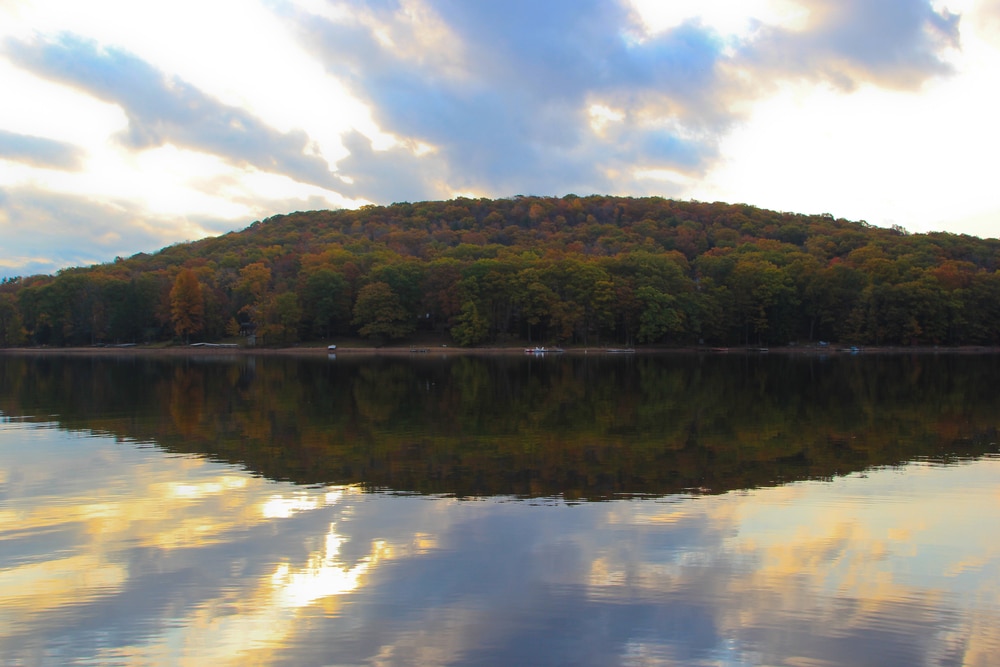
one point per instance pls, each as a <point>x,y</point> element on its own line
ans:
<point>543,350</point>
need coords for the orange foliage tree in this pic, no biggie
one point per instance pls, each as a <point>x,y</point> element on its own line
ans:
<point>187,304</point>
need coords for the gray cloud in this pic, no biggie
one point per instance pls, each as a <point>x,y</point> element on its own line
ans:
<point>508,111</point>
<point>502,92</point>
<point>162,109</point>
<point>43,231</point>
<point>506,100</point>
<point>894,43</point>
<point>387,176</point>
<point>39,151</point>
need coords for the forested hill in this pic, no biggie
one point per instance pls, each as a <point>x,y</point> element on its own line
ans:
<point>593,270</point>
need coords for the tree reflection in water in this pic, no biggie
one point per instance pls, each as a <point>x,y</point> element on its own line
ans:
<point>168,552</point>
<point>578,427</point>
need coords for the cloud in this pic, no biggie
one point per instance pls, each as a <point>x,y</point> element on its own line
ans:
<point>164,109</point>
<point>482,98</point>
<point>45,231</point>
<point>503,91</point>
<point>987,20</point>
<point>894,44</point>
<point>391,175</point>
<point>40,151</point>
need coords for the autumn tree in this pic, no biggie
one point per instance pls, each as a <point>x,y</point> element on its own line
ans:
<point>254,281</point>
<point>441,294</point>
<point>187,304</point>
<point>281,315</point>
<point>252,285</point>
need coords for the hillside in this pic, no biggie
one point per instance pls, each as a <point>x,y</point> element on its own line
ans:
<point>574,270</point>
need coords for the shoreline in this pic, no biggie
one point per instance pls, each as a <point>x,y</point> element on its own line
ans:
<point>418,351</point>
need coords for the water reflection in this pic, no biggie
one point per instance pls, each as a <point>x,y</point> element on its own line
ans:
<point>142,558</point>
<point>581,428</point>
<point>116,552</point>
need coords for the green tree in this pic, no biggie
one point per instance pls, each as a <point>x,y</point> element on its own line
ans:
<point>132,306</point>
<point>470,328</point>
<point>982,306</point>
<point>493,284</point>
<point>538,303</point>
<point>406,279</point>
<point>762,295</point>
<point>660,315</point>
<point>586,295</point>
<point>325,302</point>
<point>378,313</point>
<point>11,325</point>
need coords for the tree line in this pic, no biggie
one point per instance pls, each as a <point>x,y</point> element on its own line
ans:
<point>573,270</point>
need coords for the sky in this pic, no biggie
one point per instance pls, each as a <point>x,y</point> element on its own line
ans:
<point>127,126</point>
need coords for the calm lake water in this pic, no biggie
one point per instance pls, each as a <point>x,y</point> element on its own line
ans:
<point>569,510</point>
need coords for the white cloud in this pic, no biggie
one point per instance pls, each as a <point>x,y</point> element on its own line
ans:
<point>889,157</point>
<point>38,107</point>
<point>726,17</point>
<point>230,110</point>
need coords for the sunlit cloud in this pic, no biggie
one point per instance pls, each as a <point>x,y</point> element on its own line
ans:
<point>289,104</point>
<point>722,16</point>
<point>234,568</point>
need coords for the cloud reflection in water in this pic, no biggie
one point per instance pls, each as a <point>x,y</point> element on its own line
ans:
<point>122,555</point>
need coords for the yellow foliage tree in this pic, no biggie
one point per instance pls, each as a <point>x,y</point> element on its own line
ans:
<point>187,304</point>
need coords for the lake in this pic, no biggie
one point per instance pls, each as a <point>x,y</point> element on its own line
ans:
<point>599,509</point>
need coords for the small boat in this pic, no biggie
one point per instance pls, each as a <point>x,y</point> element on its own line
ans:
<point>535,350</point>
<point>331,348</point>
